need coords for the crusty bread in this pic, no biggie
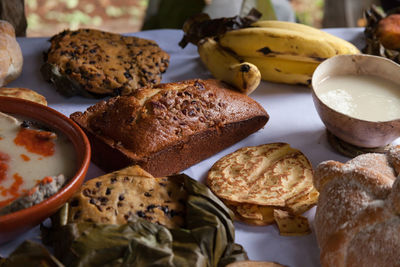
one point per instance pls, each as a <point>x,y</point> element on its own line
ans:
<point>388,31</point>
<point>10,54</point>
<point>23,93</point>
<point>167,128</point>
<point>357,220</point>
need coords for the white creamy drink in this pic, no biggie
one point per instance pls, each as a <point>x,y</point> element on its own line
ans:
<point>364,97</point>
<point>29,156</point>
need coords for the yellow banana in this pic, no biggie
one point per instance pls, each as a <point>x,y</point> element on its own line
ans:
<point>259,41</point>
<point>341,45</point>
<point>283,70</point>
<point>225,66</point>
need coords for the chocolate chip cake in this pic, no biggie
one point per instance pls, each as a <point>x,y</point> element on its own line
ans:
<point>116,197</point>
<point>167,128</point>
<point>92,62</point>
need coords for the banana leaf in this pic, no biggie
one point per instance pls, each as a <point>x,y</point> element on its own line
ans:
<point>30,254</point>
<point>206,240</point>
<point>201,25</point>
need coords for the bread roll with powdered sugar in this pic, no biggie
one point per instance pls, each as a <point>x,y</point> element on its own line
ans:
<point>10,54</point>
<point>357,222</point>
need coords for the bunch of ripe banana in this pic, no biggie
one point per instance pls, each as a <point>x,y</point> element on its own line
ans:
<point>276,51</point>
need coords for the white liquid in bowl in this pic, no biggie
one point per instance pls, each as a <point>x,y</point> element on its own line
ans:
<point>363,97</point>
<point>21,169</point>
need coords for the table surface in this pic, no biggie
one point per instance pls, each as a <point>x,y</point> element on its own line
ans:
<point>293,119</point>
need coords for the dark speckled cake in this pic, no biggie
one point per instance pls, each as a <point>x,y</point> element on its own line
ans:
<point>92,62</point>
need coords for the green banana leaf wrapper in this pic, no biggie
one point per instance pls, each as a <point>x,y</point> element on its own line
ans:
<point>30,254</point>
<point>206,240</point>
<point>201,26</point>
<point>373,45</point>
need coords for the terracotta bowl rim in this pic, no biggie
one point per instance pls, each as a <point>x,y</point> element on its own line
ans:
<point>74,181</point>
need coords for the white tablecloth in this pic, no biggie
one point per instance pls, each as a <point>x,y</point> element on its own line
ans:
<point>293,119</point>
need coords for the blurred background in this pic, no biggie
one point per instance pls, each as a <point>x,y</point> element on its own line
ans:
<point>48,17</point>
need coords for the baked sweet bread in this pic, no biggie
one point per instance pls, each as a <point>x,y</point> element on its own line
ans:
<point>93,62</point>
<point>11,59</point>
<point>357,220</point>
<point>23,93</point>
<point>116,197</point>
<point>388,31</point>
<point>166,128</point>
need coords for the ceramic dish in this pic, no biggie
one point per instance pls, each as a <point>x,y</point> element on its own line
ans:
<point>17,222</point>
<point>358,132</point>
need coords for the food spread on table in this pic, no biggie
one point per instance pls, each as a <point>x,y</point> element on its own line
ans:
<point>142,211</point>
<point>129,217</point>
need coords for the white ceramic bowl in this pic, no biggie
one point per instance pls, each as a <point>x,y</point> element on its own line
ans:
<point>362,133</point>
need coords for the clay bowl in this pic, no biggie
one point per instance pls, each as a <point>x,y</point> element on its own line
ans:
<point>18,222</point>
<point>361,133</point>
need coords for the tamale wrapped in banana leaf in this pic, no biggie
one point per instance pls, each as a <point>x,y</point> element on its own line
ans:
<point>207,238</point>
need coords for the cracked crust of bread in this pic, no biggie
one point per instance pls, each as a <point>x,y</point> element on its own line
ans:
<point>168,127</point>
<point>357,220</point>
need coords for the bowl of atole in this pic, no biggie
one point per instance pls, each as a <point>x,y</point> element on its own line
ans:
<point>358,99</point>
<point>44,157</point>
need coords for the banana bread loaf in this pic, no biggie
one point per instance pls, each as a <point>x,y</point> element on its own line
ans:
<point>166,128</point>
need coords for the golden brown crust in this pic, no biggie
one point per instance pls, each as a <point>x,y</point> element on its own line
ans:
<point>117,197</point>
<point>10,54</point>
<point>23,93</point>
<point>107,63</point>
<point>7,28</point>
<point>265,184</point>
<point>272,174</point>
<point>388,31</point>
<point>179,123</point>
<point>257,180</point>
<point>356,221</point>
